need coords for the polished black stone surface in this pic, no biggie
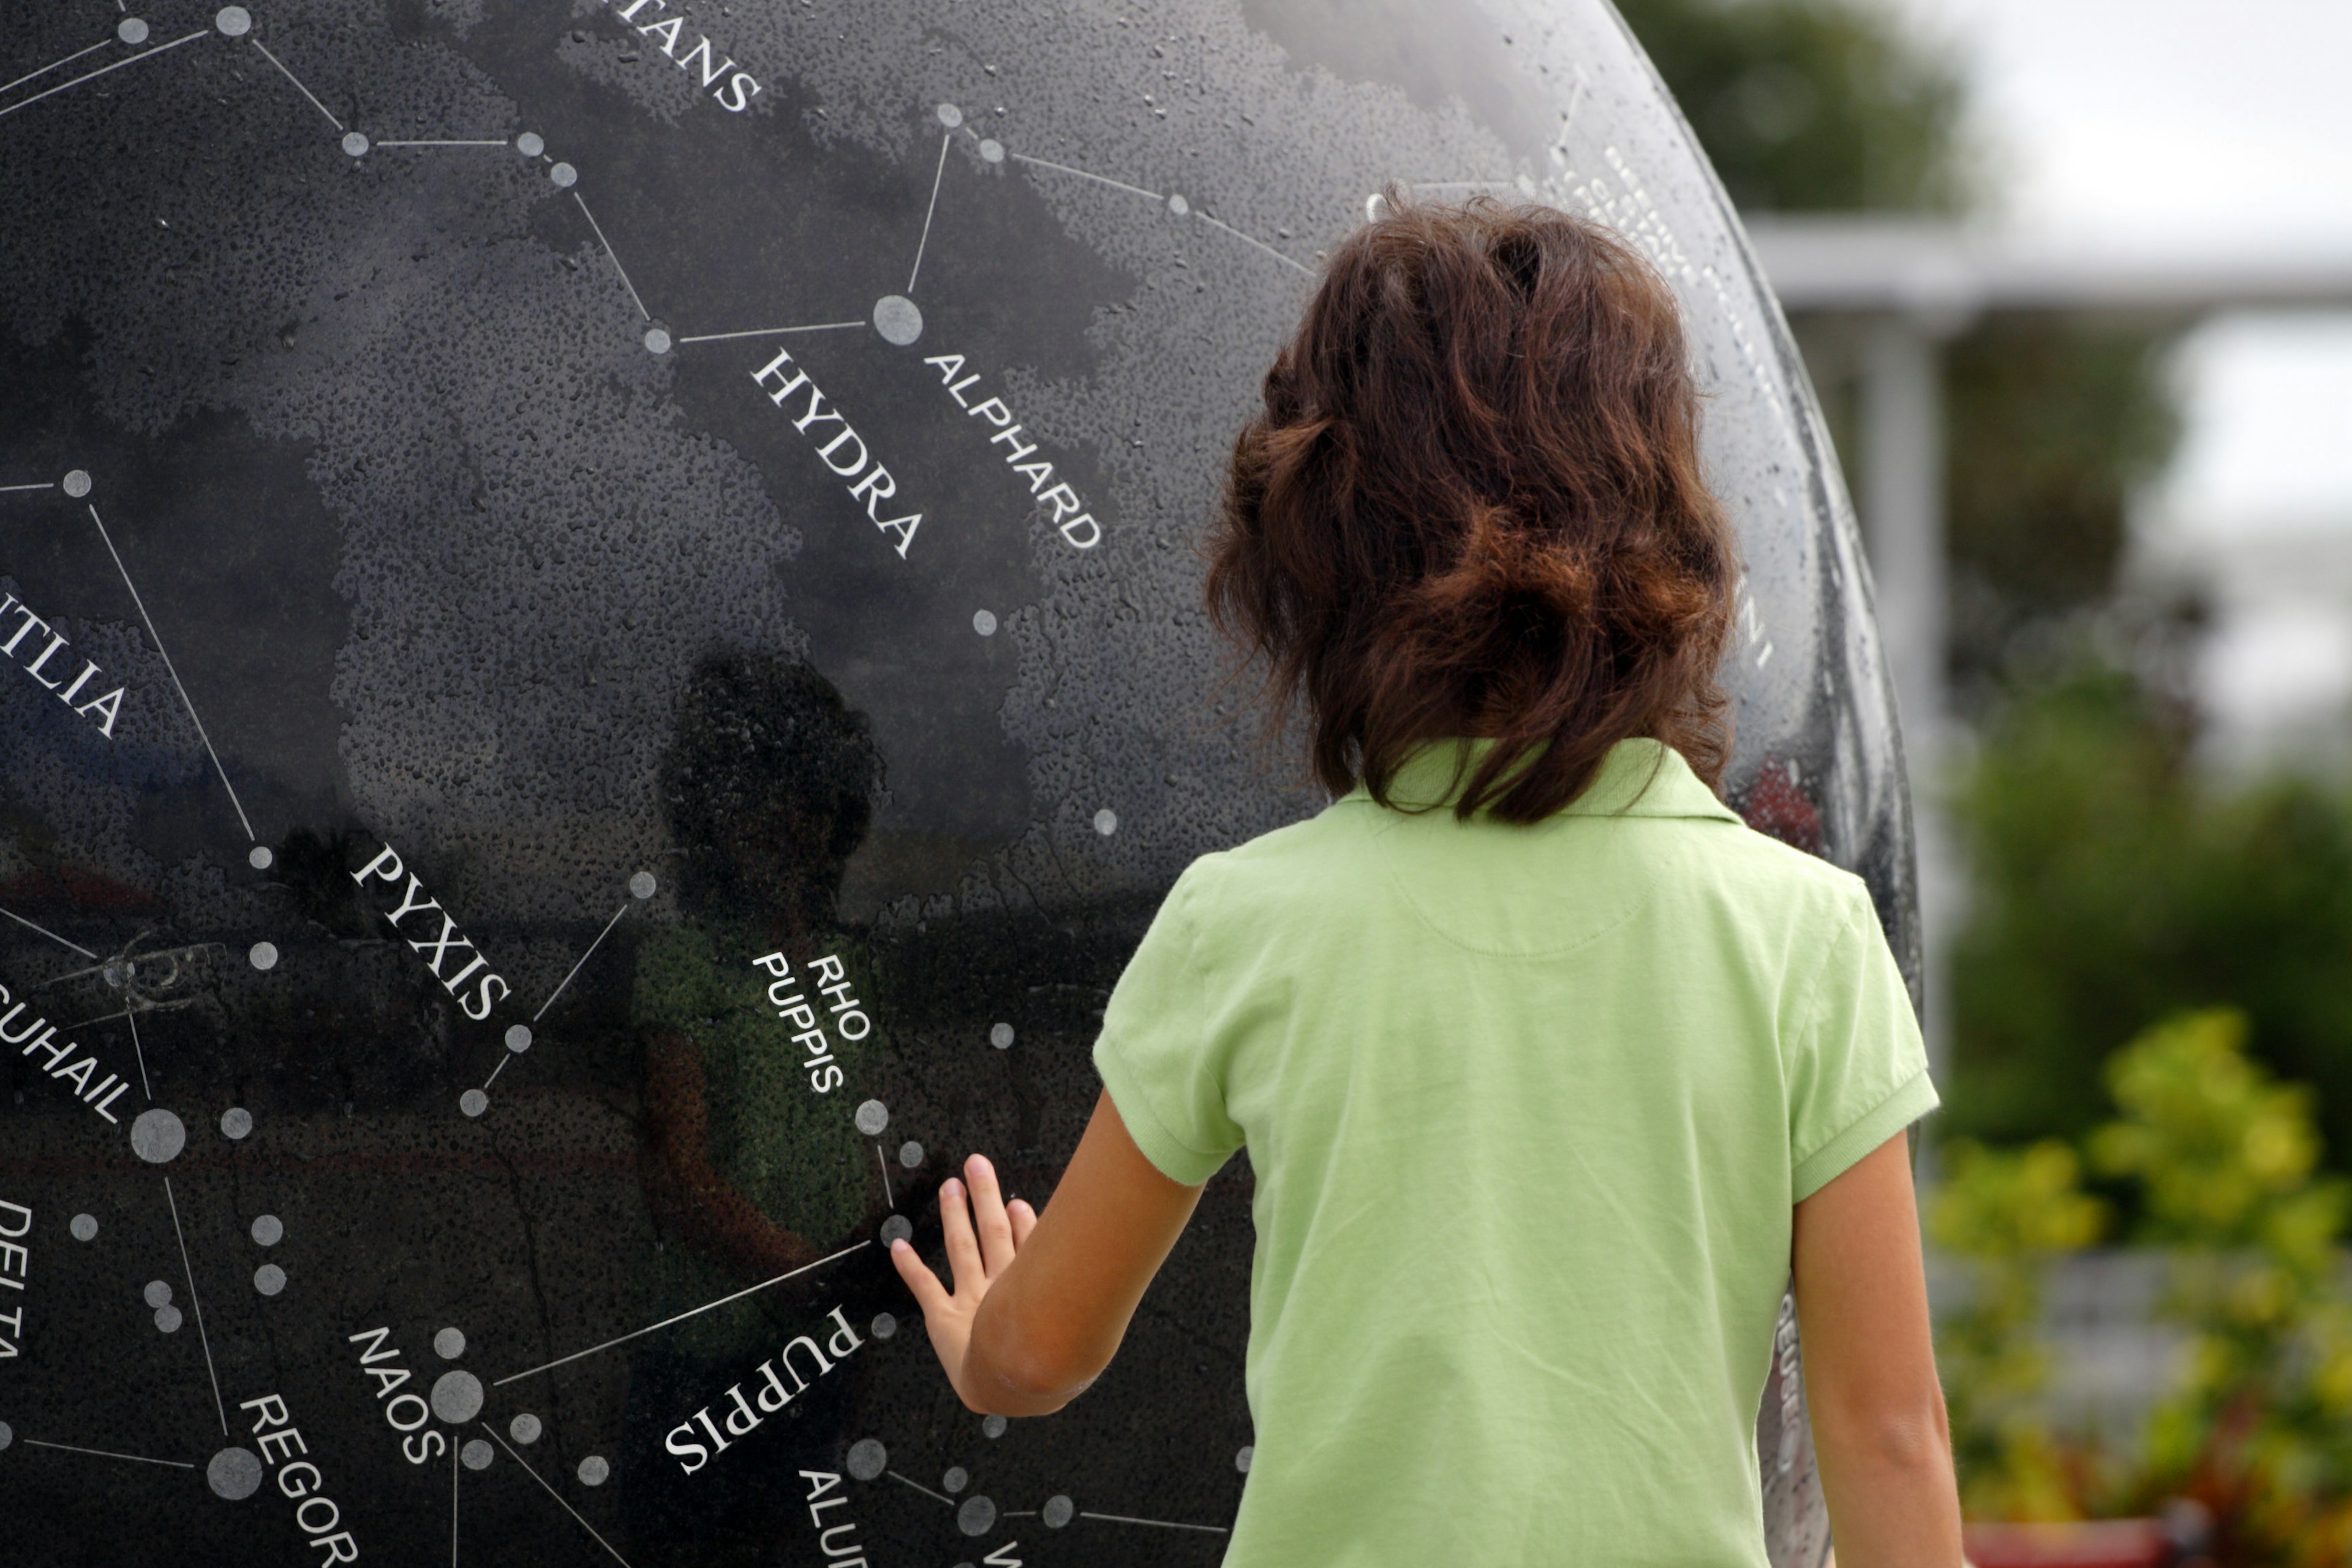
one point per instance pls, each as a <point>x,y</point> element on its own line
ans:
<point>502,661</point>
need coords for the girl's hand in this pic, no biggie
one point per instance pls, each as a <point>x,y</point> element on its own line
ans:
<point>1053,1317</point>
<point>983,1234</point>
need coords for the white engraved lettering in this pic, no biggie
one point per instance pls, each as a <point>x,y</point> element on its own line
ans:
<point>108,706</point>
<point>1071,518</point>
<point>387,867</point>
<point>875,485</point>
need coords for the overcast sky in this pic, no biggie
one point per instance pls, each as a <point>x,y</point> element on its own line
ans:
<point>2202,121</point>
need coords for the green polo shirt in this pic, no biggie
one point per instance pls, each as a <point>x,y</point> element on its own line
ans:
<point>1528,1108</point>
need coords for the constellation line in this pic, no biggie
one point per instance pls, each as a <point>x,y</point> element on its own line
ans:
<point>767,333</point>
<point>197,1304</point>
<point>584,957</point>
<point>97,968</point>
<point>1157,1523</point>
<point>919,1487</point>
<point>100,967</point>
<point>175,673</point>
<point>690,1312</point>
<point>1249,239</point>
<point>498,1070</point>
<point>296,81</point>
<point>141,1052</point>
<point>100,71</point>
<point>453,1505</point>
<point>607,244</point>
<point>43,71</point>
<point>887,1196</point>
<point>438,143</point>
<point>11,490</point>
<point>937,175</point>
<point>1155,195</point>
<point>558,1496</point>
<point>101,1018</point>
<point>1099,178</point>
<point>108,1454</point>
<point>50,934</point>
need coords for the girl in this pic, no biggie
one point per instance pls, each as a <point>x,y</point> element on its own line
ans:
<point>1550,1069</point>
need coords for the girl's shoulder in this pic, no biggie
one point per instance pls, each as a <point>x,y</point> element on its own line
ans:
<point>1357,865</point>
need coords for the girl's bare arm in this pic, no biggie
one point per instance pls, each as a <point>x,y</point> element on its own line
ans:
<point>1879,1429</point>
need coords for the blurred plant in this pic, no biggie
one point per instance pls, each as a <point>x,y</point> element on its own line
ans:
<point>2113,887</point>
<point>2223,1162</point>
<point>2052,425</point>
<point>2008,1213</point>
<point>1810,105</point>
<point>2225,1159</point>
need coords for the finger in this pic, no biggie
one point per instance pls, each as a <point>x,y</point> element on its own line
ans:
<point>988,1208</point>
<point>1024,1220</point>
<point>964,1248</point>
<point>930,1294</point>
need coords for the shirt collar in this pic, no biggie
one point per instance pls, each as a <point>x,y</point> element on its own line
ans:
<point>1638,777</point>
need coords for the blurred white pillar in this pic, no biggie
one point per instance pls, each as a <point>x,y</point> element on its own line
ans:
<point>1902,434</point>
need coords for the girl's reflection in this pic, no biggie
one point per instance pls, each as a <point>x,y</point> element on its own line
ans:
<point>769,787</point>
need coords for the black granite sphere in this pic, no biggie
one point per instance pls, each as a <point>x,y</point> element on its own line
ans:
<point>605,663</point>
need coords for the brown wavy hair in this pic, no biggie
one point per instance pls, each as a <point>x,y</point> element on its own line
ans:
<point>1472,507</point>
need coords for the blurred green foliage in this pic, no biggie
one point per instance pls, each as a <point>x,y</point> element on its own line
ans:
<point>2051,425</point>
<point>2114,885</point>
<point>2222,1160</point>
<point>1810,105</point>
<point>2008,1213</point>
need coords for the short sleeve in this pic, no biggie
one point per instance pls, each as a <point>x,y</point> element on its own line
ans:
<point>1159,1054</point>
<point>1858,1069</point>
